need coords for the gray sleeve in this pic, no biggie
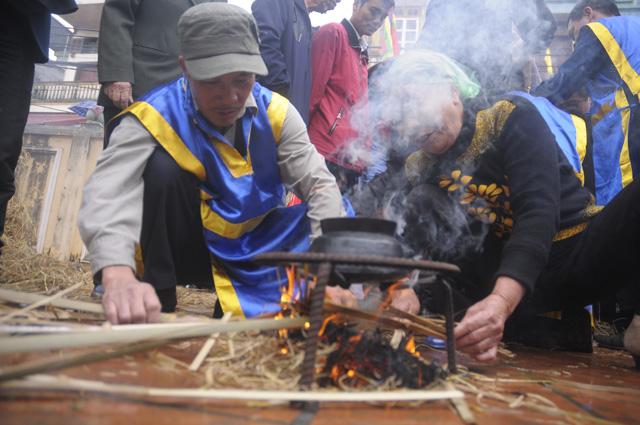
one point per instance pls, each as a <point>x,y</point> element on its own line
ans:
<point>304,171</point>
<point>110,218</point>
<point>115,44</point>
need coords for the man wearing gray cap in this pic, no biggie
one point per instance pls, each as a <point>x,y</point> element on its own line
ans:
<point>196,175</point>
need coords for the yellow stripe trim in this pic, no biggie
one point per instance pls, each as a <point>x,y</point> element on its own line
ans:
<point>162,131</point>
<point>225,291</point>
<point>581,143</point>
<point>625,158</point>
<point>236,164</point>
<point>277,112</point>
<point>548,61</point>
<point>570,232</point>
<point>617,56</point>
<point>604,110</point>
<point>214,222</point>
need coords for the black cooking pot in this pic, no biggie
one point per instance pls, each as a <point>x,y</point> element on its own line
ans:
<point>360,236</point>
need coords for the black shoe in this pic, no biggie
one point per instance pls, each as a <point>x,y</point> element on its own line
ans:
<point>614,342</point>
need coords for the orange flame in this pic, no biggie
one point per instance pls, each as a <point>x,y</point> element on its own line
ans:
<point>325,323</point>
<point>335,372</point>
<point>410,346</point>
<point>399,284</point>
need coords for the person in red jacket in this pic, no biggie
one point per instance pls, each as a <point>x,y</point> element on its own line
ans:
<point>339,62</point>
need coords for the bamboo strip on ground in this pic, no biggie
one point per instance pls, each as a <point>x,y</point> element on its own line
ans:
<point>462,408</point>
<point>48,382</point>
<point>70,360</point>
<point>46,300</point>
<point>128,334</point>
<point>29,298</point>
<point>206,347</point>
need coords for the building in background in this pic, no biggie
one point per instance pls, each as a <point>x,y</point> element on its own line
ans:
<point>408,20</point>
<point>70,76</point>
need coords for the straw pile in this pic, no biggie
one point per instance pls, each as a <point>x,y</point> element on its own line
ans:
<point>22,269</point>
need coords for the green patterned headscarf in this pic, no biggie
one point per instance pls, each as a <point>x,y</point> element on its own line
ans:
<point>423,66</point>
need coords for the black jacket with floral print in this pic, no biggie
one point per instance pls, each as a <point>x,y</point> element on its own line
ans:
<point>506,174</point>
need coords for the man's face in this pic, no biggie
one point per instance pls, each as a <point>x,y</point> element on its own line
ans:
<point>321,6</point>
<point>367,17</point>
<point>221,99</point>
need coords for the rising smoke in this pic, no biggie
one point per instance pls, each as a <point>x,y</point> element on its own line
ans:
<point>491,39</point>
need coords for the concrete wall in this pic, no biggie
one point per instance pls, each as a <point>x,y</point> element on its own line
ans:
<point>55,163</point>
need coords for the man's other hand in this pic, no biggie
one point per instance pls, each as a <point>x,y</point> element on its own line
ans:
<point>481,329</point>
<point>405,299</point>
<point>120,93</point>
<point>341,296</point>
<point>126,299</point>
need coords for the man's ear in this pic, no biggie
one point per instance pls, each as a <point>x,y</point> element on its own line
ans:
<point>588,12</point>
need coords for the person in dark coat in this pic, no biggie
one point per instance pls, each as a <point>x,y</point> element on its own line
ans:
<point>285,45</point>
<point>490,189</point>
<point>137,50</point>
<point>605,62</point>
<point>24,41</point>
<point>340,58</point>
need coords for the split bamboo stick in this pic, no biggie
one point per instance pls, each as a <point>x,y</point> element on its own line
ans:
<point>48,382</point>
<point>28,298</point>
<point>127,334</point>
<point>436,328</point>
<point>70,360</point>
<point>384,321</point>
<point>206,347</point>
<point>462,408</point>
<point>41,302</point>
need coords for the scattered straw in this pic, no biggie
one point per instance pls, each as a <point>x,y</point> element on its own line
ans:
<point>22,269</point>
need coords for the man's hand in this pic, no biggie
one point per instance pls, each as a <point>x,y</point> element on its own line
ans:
<point>126,299</point>
<point>340,296</point>
<point>405,299</point>
<point>120,93</point>
<point>481,329</point>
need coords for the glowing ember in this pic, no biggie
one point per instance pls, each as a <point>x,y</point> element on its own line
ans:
<point>367,358</point>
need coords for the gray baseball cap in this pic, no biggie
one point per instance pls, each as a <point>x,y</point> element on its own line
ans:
<point>217,39</point>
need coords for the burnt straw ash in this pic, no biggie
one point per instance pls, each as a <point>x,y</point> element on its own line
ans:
<point>366,357</point>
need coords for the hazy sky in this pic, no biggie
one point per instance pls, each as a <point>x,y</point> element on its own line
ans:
<point>342,10</point>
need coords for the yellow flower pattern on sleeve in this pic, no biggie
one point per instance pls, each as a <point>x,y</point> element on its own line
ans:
<point>488,203</point>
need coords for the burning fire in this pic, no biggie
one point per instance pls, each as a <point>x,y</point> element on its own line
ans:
<point>367,358</point>
<point>360,359</point>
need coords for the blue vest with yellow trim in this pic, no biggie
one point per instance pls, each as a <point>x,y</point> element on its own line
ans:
<point>242,199</point>
<point>569,130</point>
<point>616,158</point>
